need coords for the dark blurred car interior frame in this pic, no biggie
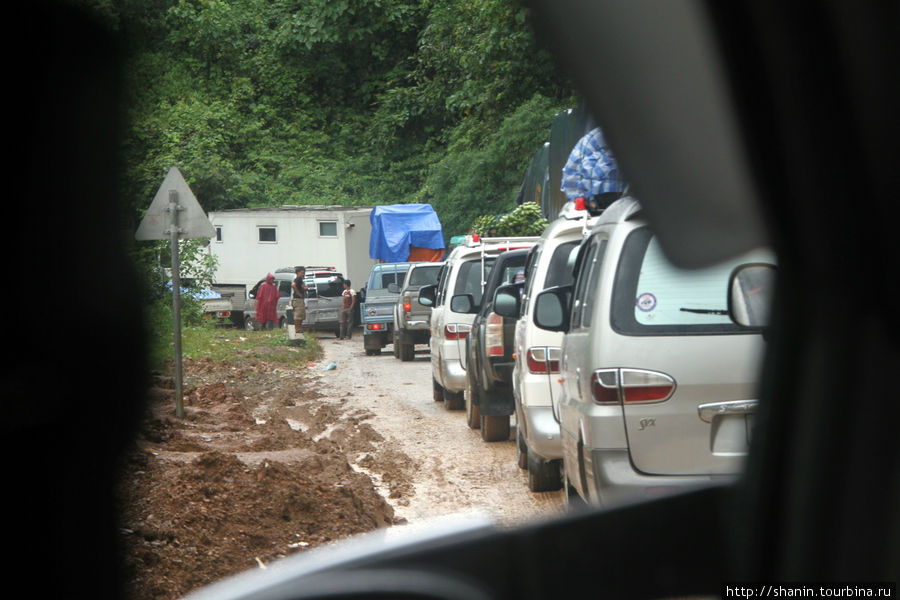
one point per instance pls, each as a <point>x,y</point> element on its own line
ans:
<point>738,124</point>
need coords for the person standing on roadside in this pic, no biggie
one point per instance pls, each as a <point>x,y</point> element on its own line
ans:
<point>298,302</point>
<point>267,303</point>
<point>348,304</point>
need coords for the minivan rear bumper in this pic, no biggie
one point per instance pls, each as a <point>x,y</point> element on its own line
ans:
<point>613,481</point>
<point>453,376</point>
<point>542,432</point>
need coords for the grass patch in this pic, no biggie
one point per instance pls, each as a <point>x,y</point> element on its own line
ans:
<point>235,345</point>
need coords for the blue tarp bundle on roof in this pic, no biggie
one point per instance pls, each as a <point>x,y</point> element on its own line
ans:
<point>398,226</point>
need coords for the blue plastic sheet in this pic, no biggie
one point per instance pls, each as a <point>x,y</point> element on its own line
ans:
<point>396,227</point>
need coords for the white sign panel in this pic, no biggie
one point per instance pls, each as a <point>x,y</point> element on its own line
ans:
<point>191,221</point>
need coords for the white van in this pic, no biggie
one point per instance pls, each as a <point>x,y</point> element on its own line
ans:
<point>465,271</point>
<point>659,384</point>
<point>535,379</point>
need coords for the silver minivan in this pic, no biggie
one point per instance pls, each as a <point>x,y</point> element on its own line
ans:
<point>658,383</point>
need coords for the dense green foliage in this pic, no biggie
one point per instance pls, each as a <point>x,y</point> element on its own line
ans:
<point>353,102</point>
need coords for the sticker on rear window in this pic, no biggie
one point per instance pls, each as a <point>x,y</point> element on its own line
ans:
<point>646,302</point>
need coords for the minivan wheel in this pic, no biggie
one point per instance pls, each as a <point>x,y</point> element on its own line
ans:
<point>473,413</point>
<point>543,475</point>
<point>571,498</point>
<point>494,428</point>
<point>521,448</point>
<point>436,390</point>
<point>454,400</point>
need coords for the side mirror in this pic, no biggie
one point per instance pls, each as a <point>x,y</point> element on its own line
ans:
<point>463,303</point>
<point>507,301</point>
<point>750,293</point>
<point>427,295</point>
<point>393,288</point>
<point>551,309</point>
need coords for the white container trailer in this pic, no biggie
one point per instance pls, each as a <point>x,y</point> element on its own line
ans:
<point>251,242</point>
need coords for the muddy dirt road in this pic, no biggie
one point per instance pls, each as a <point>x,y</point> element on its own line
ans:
<point>456,471</point>
<point>272,459</point>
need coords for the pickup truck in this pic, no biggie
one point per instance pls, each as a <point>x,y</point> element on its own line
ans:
<point>216,307</point>
<point>412,321</point>
<point>489,349</point>
<point>376,311</point>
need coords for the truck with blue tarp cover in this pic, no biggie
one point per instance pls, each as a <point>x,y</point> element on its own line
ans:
<point>402,234</point>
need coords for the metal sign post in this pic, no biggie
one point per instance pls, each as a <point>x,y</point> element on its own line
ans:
<point>175,214</point>
<point>174,232</point>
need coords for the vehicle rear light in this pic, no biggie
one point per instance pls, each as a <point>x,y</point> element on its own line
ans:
<point>375,326</point>
<point>631,386</point>
<point>580,204</point>
<point>605,386</point>
<point>225,313</point>
<point>456,331</point>
<point>407,304</point>
<point>493,335</point>
<point>645,386</point>
<point>543,359</point>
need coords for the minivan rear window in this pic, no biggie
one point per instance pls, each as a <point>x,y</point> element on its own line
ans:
<point>469,281</point>
<point>424,275</point>
<point>558,271</point>
<point>653,297</point>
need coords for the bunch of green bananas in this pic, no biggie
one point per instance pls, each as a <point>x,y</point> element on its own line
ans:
<point>526,219</point>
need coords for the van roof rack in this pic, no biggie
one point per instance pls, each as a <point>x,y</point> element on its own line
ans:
<point>501,244</point>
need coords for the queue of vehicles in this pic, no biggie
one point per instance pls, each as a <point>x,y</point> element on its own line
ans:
<point>628,378</point>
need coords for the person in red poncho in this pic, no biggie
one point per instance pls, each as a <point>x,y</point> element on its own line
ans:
<point>267,303</point>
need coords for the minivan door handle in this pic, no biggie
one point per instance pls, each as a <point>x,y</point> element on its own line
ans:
<point>733,407</point>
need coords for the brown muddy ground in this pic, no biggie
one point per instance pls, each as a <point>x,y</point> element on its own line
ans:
<point>272,460</point>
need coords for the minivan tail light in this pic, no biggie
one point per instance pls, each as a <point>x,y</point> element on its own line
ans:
<point>493,335</point>
<point>456,331</point>
<point>630,386</point>
<point>645,386</point>
<point>543,359</point>
<point>605,386</point>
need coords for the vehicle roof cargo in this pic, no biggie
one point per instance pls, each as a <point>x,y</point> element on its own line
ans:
<point>399,229</point>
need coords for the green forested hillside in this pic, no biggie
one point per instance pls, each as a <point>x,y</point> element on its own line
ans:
<point>353,102</point>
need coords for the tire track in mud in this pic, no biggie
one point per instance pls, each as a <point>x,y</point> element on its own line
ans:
<point>451,471</point>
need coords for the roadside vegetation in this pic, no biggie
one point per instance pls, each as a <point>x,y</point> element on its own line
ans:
<point>208,341</point>
<point>327,102</point>
<point>363,102</point>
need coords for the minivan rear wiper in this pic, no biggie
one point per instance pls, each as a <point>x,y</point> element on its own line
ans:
<point>705,311</point>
